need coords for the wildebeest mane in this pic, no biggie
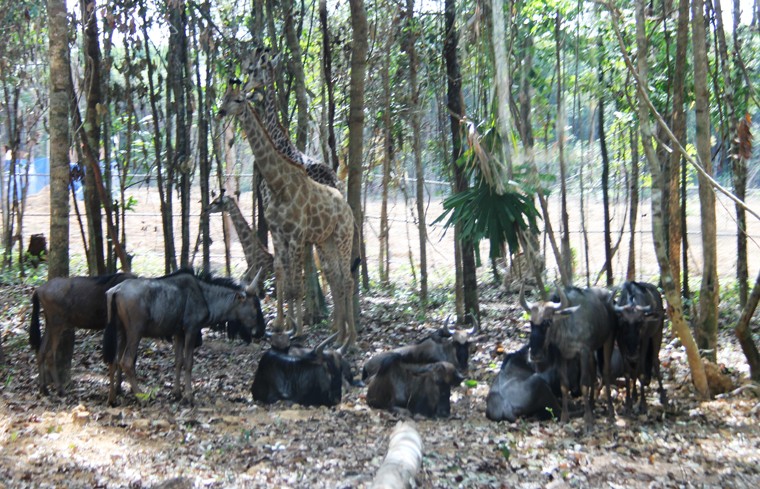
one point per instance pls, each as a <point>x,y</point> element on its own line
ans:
<point>104,279</point>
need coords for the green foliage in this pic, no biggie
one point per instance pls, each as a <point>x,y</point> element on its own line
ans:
<point>484,214</point>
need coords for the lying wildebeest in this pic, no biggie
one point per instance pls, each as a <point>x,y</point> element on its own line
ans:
<point>520,391</point>
<point>178,306</point>
<point>641,318</point>
<point>445,345</point>
<point>311,378</point>
<point>68,303</point>
<point>283,346</point>
<point>419,388</point>
<point>581,323</point>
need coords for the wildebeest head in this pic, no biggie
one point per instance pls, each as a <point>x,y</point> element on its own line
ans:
<point>633,309</point>
<point>246,314</point>
<point>460,343</point>
<point>542,318</point>
<point>311,379</point>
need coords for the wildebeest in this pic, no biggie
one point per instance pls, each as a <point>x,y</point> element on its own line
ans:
<point>582,322</point>
<point>68,303</point>
<point>297,350</point>
<point>178,306</point>
<point>310,378</point>
<point>641,318</point>
<point>520,391</point>
<point>419,388</point>
<point>445,345</point>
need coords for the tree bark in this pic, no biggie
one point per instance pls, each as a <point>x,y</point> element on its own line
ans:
<point>502,82</point>
<point>60,138</point>
<point>359,48</point>
<point>295,64</point>
<point>658,233</point>
<point>605,172</point>
<point>566,253</point>
<point>403,460</point>
<point>94,98</point>
<point>707,325</point>
<point>60,90</point>
<point>412,32</point>
<point>332,161</point>
<point>744,333</point>
<point>634,213</point>
<point>469,290</point>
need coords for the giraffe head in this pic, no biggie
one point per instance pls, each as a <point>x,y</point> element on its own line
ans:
<point>234,101</point>
<point>219,204</point>
<point>259,66</point>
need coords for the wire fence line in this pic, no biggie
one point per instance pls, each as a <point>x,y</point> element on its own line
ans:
<point>145,235</point>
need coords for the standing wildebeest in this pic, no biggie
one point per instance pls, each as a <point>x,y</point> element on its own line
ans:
<point>310,377</point>
<point>177,305</point>
<point>520,391</point>
<point>68,303</point>
<point>581,323</point>
<point>445,345</point>
<point>641,318</point>
<point>420,388</point>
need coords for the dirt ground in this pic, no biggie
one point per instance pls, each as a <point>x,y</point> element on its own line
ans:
<point>227,440</point>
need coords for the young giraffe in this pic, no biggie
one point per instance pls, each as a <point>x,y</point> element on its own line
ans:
<point>301,211</point>
<point>259,67</point>
<point>256,256</point>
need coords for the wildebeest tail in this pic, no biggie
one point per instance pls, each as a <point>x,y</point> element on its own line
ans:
<point>35,337</point>
<point>111,334</point>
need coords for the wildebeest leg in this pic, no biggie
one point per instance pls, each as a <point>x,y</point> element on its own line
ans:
<point>188,364</point>
<point>565,388</point>
<point>43,361</point>
<point>128,362</point>
<point>587,385</point>
<point>179,356</point>
<point>114,369</point>
<point>608,347</point>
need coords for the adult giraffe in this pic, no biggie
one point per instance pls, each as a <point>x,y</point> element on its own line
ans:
<point>301,211</point>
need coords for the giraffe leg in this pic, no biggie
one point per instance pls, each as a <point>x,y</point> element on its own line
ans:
<point>296,289</point>
<point>328,254</point>
<point>279,279</point>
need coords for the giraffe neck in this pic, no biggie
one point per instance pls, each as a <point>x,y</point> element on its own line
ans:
<point>243,230</point>
<point>282,175</point>
<point>268,109</point>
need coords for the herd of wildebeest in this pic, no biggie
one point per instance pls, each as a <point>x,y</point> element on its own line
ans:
<point>576,337</point>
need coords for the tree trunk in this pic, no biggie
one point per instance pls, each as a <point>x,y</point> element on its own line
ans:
<point>658,232</point>
<point>178,79</point>
<point>605,172</point>
<point>94,97</point>
<point>204,102</point>
<point>359,48</point>
<point>454,103</point>
<point>332,161</point>
<point>296,70</point>
<point>633,216</point>
<point>60,137</point>
<point>744,333</point>
<point>707,325</point>
<point>412,32</point>
<point>678,125</point>
<point>384,251</point>
<point>502,81</point>
<point>566,263</point>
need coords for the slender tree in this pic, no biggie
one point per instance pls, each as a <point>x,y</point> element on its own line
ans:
<point>469,290</point>
<point>707,325</point>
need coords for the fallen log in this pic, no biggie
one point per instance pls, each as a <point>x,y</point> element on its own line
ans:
<point>403,460</point>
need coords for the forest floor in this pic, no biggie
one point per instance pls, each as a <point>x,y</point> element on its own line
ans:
<point>227,440</point>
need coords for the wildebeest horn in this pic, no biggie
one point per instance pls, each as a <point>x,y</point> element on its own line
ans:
<point>475,325</point>
<point>523,302</point>
<point>253,288</point>
<point>321,347</point>
<point>615,292</point>
<point>563,301</point>
<point>447,325</point>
